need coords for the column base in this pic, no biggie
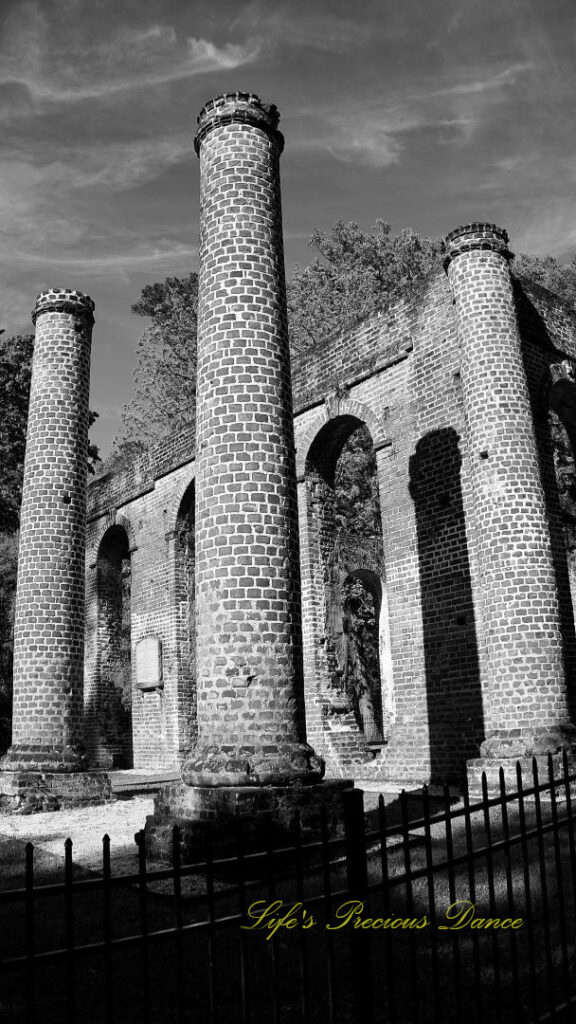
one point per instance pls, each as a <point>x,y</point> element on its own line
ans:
<point>491,767</point>
<point>28,792</point>
<point>532,741</point>
<point>267,814</point>
<point>39,757</point>
<point>271,764</point>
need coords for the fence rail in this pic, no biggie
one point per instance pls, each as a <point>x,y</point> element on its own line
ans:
<point>425,909</point>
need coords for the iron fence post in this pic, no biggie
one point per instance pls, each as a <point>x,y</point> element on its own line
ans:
<point>357,879</point>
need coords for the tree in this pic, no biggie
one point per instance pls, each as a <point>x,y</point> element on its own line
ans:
<point>548,272</point>
<point>355,273</point>
<point>358,272</point>
<point>15,373</point>
<point>8,564</point>
<point>165,375</point>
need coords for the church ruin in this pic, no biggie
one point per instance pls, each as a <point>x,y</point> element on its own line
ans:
<point>464,395</point>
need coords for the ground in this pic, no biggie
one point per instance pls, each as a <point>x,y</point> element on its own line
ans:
<point>85,826</point>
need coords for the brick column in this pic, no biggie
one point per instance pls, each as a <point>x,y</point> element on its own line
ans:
<point>524,689</point>
<point>49,626</point>
<point>249,667</point>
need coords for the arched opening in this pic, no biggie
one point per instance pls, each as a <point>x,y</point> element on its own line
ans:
<point>364,654</point>
<point>347,569</point>
<point>562,426</point>
<point>114,717</point>
<point>185,619</point>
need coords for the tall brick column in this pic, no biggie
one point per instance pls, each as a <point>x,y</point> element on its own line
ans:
<point>524,689</point>
<point>249,673</point>
<point>49,627</point>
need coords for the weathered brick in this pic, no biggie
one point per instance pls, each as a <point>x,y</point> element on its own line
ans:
<point>475,575</point>
<point>509,524</point>
<point>49,626</point>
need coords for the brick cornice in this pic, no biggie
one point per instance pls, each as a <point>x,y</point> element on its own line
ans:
<point>64,300</point>
<point>238,108</point>
<point>476,236</point>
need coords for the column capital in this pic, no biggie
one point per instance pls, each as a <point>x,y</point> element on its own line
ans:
<point>64,300</point>
<point>238,108</point>
<point>479,235</point>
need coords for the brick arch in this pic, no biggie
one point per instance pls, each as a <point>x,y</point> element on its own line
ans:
<point>556,438</point>
<point>360,571</point>
<point>115,519</point>
<point>125,523</point>
<point>557,379</point>
<point>338,407</point>
<point>557,395</point>
<point>174,505</point>
<point>182,556</point>
<point>324,565</point>
<point>110,705</point>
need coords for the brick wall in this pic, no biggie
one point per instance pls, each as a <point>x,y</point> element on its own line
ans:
<point>399,372</point>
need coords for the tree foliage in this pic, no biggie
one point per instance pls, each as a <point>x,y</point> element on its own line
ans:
<point>356,507</point>
<point>548,272</point>
<point>15,375</point>
<point>8,566</point>
<point>354,273</point>
<point>165,374</point>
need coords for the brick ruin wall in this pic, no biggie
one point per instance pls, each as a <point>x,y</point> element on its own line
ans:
<point>399,374</point>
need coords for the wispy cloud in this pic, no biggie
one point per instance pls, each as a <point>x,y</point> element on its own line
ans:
<point>375,134</point>
<point>48,204</point>
<point>353,140</point>
<point>25,273</point>
<point>480,82</point>
<point>138,257</point>
<point>122,165</point>
<point>56,61</point>
<point>545,224</point>
<point>202,57</point>
<point>428,112</point>
<point>476,98</point>
<point>303,27</point>
<point>59,180</point>
<point>16,307</point>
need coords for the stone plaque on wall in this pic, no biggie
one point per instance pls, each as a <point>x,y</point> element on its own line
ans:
<point>149,663</point>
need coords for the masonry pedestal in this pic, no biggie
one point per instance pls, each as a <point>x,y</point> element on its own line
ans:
<point>491,767</point>
<point>25,792</point>
<point>265,814</point>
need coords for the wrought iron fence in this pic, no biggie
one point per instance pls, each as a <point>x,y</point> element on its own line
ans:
<point>428,908</point>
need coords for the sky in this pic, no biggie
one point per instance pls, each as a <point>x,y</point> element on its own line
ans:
<point>426,113</point>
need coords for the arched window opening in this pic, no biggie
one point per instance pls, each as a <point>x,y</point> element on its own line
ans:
<point>347,566</point>
<point>359,655</point>
<point>186,616</point>
<point>562,425</point>
<point>114,651</point>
